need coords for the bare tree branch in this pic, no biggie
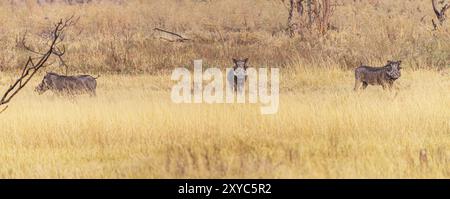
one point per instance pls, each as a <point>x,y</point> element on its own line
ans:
<point>31,68</point>
<point>22,44</point>
<point>178,37</point>
<point>440,14</point>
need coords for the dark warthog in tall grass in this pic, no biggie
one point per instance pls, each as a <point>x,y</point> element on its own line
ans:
<point>238,75</point>
<point>384,76</point>
<point>68,85</point>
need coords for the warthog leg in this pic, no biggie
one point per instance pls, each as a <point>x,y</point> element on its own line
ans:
<point>357,84</point>
<point>364,85</point>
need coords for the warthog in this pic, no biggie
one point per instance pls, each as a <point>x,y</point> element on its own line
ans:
<point>384,76</point>
<point>238,75</point>
<point>69,85</point>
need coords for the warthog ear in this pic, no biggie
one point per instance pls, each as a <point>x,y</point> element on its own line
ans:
<point>246,60</point>
<point>235,60</point>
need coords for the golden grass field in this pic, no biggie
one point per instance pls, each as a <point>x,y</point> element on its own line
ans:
<point>323,128</point>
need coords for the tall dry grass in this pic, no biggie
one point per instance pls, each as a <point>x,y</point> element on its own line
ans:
<point>119,38</point>
<point>322,130</point>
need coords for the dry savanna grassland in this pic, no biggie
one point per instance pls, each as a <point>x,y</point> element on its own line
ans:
<point>323,129</point>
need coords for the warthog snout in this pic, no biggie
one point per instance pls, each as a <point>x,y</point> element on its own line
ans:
<point>40,89</point>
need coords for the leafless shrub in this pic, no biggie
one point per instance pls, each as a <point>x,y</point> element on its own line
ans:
<point>309,16</point>
<point>32,66</point>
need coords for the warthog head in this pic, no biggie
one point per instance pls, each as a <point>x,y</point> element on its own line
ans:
<point>393,69</point>
<point>240,67</point>
<point>44,85</point>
